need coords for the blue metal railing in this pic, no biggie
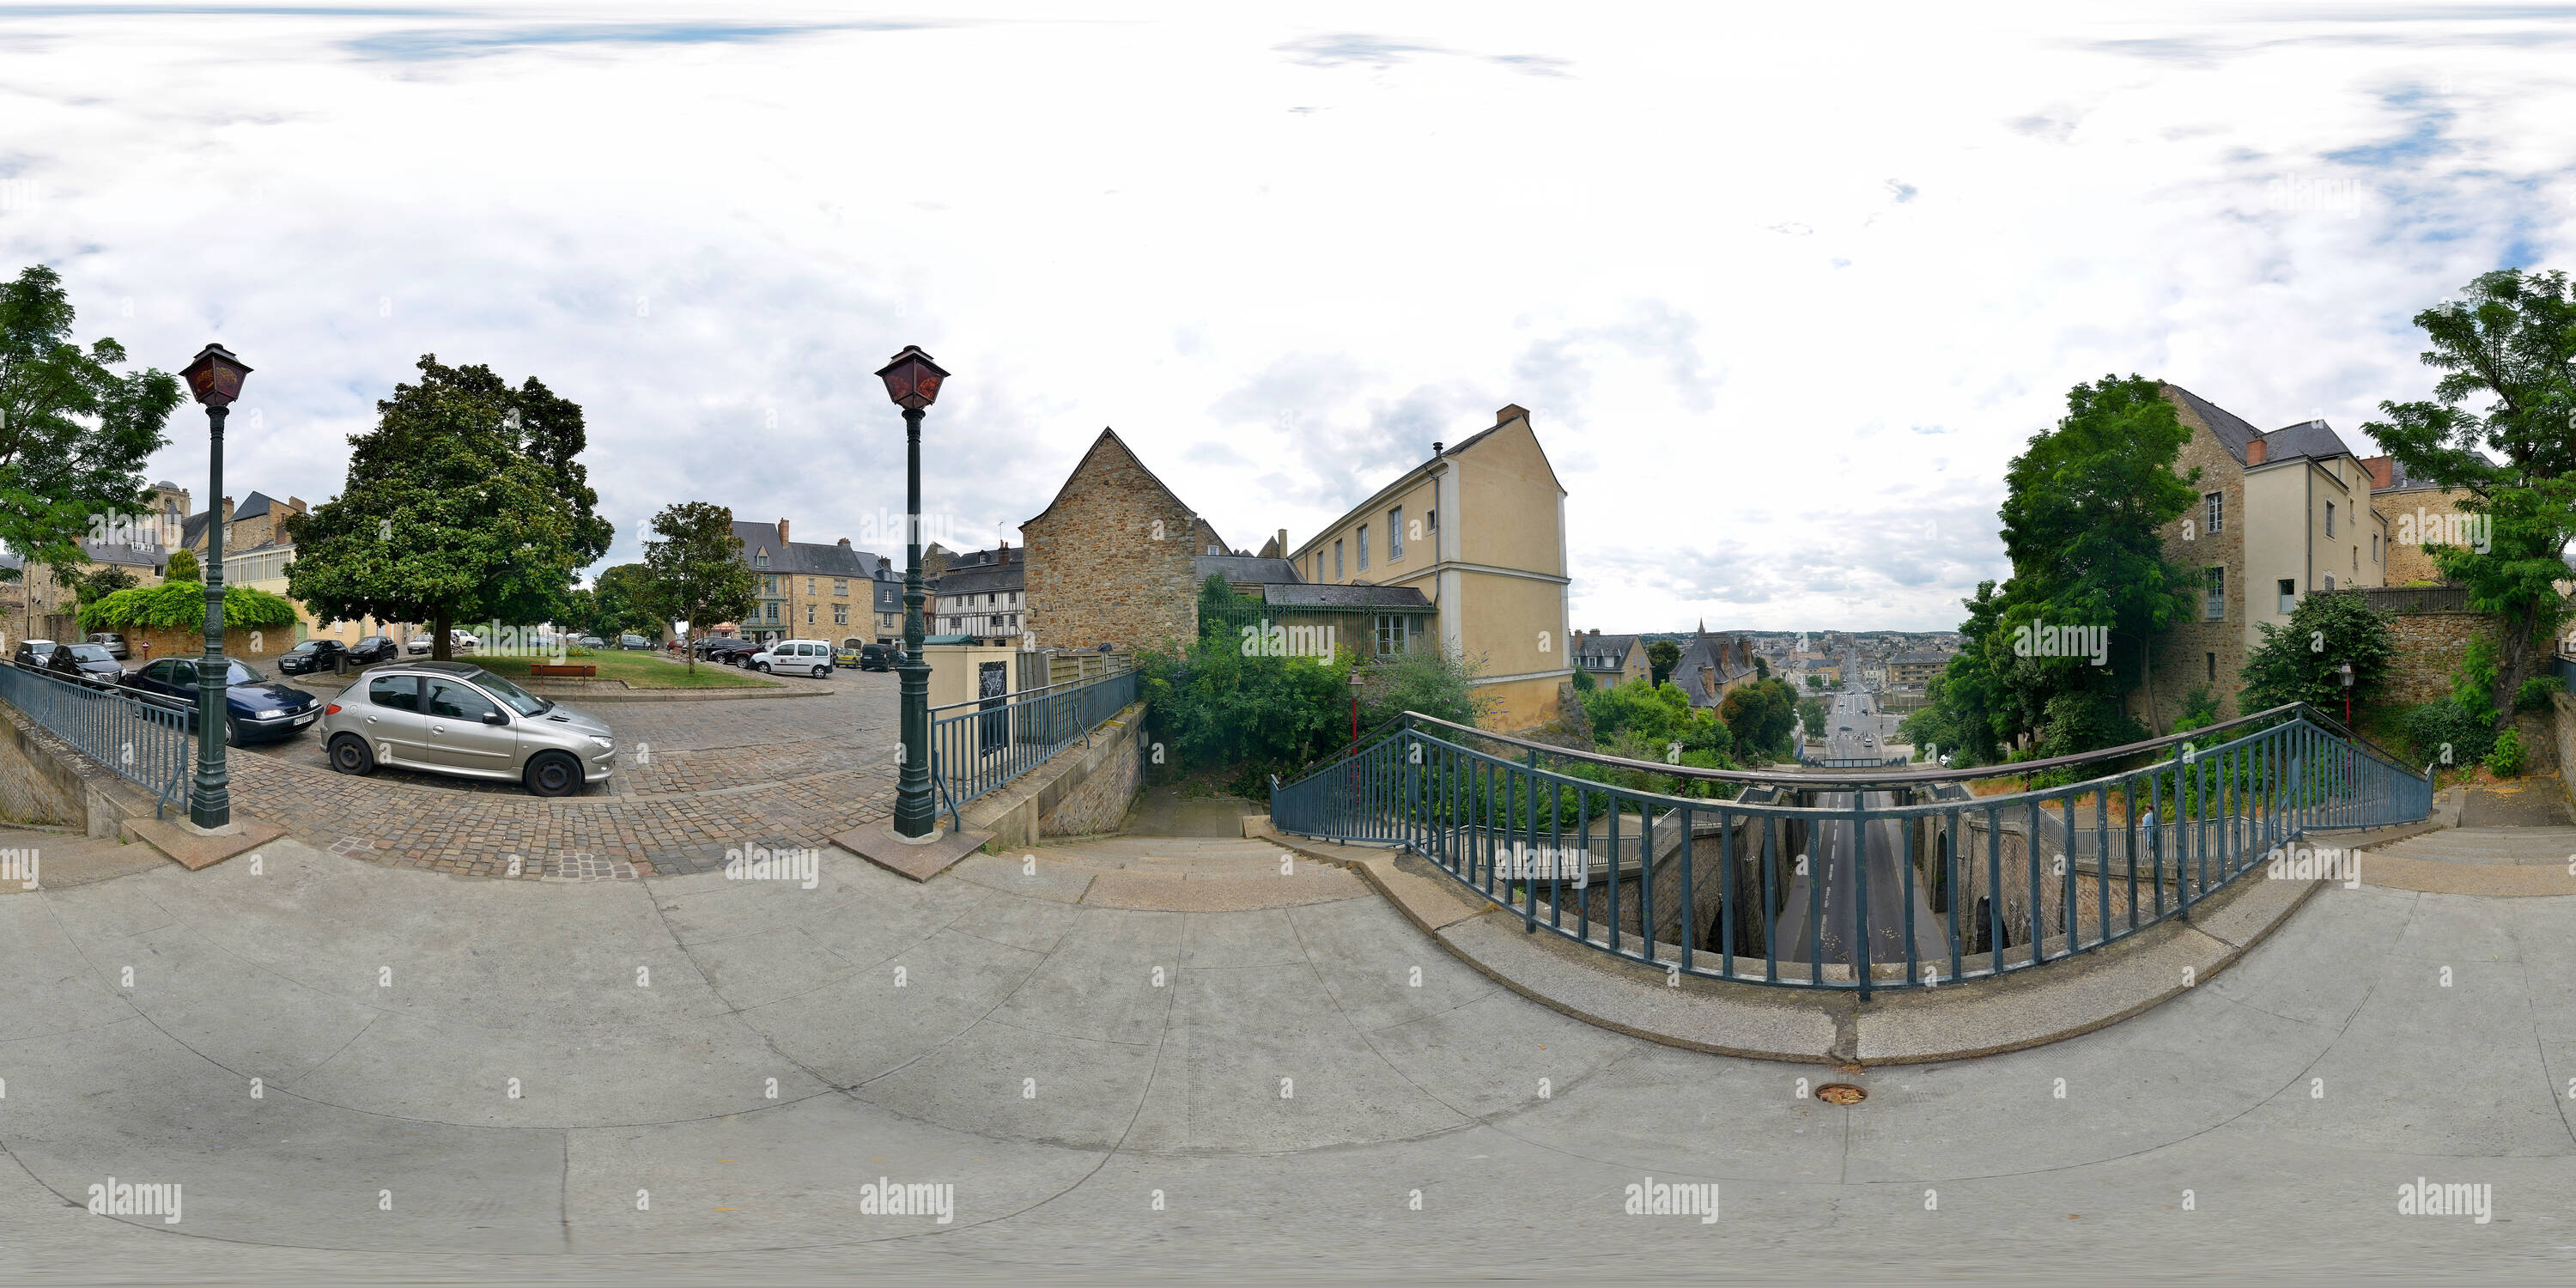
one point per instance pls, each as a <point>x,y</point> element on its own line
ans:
<point>146,745</point>
<point>1771,889</point>
<point>981,744</point>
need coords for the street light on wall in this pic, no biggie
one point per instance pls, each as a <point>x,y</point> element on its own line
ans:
<point>912,380</point>
<point>215,377</point>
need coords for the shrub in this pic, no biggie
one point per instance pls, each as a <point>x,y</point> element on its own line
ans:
<point>2505,760</point>
<point>1431,682</point>
<point>2301,662</point>
<point>1243,718</point>
<point>2448,732</point>
<point>1583,682</point>
<point>183,604</point>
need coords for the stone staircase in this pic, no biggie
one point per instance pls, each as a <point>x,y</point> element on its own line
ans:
<point>2518,846</point>
<point>64,858</point>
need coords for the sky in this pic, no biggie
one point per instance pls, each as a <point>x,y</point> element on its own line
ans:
<point>1783,287</point>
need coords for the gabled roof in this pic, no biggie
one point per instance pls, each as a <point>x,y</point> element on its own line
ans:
<point>979,578</point>
<point>1727,656</point>
<point>809,558</point>
<point>1106,437</point>
<point>2311,438</point>
<point>1614,647</point>
<point>2231,430</point>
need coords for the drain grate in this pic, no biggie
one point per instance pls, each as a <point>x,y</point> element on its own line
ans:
<point>1841,1093</point>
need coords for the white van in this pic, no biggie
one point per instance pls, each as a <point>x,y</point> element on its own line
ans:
<point>811,657</point>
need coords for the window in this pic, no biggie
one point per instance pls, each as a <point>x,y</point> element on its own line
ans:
<point>1395,534</point>
<point>2374,547</point>
<point>1337,558</point>
<point>2289,595</point>
<point>2214,606</point>
<point>840,614</point>
<point>400,692</point>
<point>840,585</point>
<point>2329,518</point>
<point>1431,521</point>
<point>809,585</point>
<point>760,560</point>
<point>2216,503</point>
<point>1393,634</point>
<point>809,614</point>
<point>2213,667</point>
<point>457,700</point>
<point>2329,582</point>
<point>769,585</point>
<point>770,611</point>
<point>1363,544</point>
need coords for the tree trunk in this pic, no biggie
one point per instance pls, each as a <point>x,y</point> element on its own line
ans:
<point>2147,663</point>
<point>438,650</point>
<point>2513,660</point>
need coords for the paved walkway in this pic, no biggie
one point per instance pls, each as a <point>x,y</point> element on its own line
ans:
<point>694,780</point>
<point>692,1079</point>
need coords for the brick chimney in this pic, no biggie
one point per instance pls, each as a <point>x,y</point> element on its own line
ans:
<point>845,543</point>
<point>782,536</point>
<point>2383,472</point>
<point>1596,630</point>
<point>1510,412</point>
<point>228,509</point>
<point>296,503</point>
<point>2256,452</point>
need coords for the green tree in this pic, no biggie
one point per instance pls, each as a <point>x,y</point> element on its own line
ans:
<point>2302,662</point>
<point>696,572</point>
<point>182,566</point>
<point>93,585</point>
<point>2508,346</point>
<point>73,434</point>
<point>1431,682</point>
<point>1761,715</point>
<point>1815,681</point>
<point>465,502</point>
<point>1661,657</point>
<point>624,600</point>
<point>1761,667</point>
<point>1813,713</point>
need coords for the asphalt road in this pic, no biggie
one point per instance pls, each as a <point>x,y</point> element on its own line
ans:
<point>1837,867</point>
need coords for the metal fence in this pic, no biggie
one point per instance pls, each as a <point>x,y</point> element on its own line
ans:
<point>146,745</point>
<point>984,743</point>
<point>1901,879</point>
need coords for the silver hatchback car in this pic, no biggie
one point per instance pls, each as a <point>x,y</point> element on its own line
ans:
<point>457,718</point>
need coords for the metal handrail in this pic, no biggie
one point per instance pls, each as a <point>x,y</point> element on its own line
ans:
<point>1739,889</point>
<point>144,744</point>
<point>982,748</point>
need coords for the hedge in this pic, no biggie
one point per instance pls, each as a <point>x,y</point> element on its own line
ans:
<point>174,604</point>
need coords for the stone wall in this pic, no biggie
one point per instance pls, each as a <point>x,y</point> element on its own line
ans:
<point>1100,802</point>
<point>2429,648</point>
<point>2181,655</point>
<point>1082,789</point>
<point>42,780</point>
<point>2563,715</point>
<point>2426,507</point>
<point>1112,559</point>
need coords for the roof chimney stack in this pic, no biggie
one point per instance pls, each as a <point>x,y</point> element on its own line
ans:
<point>2255,452</point>
<point>228,509</point>
<point>845,543</point>
<point>1435,450</point>
<point>782,536</point>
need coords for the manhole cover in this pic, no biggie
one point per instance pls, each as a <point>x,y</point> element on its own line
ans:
<point>1841,1093</point>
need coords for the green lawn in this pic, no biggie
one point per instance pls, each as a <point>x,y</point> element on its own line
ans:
<point>638,670</point>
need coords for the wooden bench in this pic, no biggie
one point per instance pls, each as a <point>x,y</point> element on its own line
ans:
<point>583,670</point>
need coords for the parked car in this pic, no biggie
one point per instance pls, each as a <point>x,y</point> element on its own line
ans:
<point>87,663</point>
<point>879,657</point>
<point>846,655</point>
<point>593,641</point>
<point>373,650</point>
<point>114,644</point>
<point>458,641</point>
<point>809,657</point>
<point>256,708</point>
<point>32,654</point>
<point>457,718</point>
<point>731,652</point>
<point>310,656</point>
<point>633,642</point>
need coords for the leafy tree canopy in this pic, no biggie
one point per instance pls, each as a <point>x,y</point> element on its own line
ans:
<point>73,433</point>
<point>2302,662</point>
<point>465,503</point>
<point>182,605</point>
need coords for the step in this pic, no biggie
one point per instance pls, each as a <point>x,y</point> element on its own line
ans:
<point>66,859</point>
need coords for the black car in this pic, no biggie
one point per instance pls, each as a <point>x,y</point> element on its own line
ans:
<point>373,650</point>
<point>310,656</point>
<point>88,663</point>
<point>32,654</point>
<point>730,652</point>
<point>878,657</point>
<point>256,709</point>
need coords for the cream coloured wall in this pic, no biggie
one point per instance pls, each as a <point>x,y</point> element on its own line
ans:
<point>1511,501</point>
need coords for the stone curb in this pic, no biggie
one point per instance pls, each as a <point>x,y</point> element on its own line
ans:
<point>1979,1017</point>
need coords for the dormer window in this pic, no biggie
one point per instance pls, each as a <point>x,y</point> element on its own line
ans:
<point>760,560</point>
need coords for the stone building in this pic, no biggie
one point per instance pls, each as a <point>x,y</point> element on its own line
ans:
<point>2420,513</point>
<point>2281,514</point>
<point>1478,530</point>
<point>1712,666</point>
<point>808,590</point>
<point>1612,659</point>
<point>981,593</point>
<point>1113,558</point>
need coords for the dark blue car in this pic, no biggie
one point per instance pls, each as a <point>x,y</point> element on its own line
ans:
<point>255,708</point>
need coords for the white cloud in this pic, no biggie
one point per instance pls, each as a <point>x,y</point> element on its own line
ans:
<point>1282,257</point>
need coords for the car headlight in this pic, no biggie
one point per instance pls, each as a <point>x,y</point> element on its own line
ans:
<point>279,713</point>
<point>604,744</point>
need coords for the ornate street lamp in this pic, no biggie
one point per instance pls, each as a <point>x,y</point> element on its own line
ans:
<point>912,380</point>
<point>2343,673</point>
<point>215,377</point>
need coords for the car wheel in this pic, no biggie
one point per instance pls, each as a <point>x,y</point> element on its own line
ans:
<point>232,732</point>
<point>821,671</point>
<point>350,755</point>
<point>553,773</point>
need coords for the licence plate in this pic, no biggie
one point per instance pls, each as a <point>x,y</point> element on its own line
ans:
<point>305,719</point>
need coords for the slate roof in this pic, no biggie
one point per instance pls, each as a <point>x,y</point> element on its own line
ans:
<point>2231,429</point>
<point>1247,570</point>
<point>1611,649</point>
<point>1387,599</point>
<point>978,578</point>
<point>1726,655</point>
<point>2313,439</point>
<point>808,558</point>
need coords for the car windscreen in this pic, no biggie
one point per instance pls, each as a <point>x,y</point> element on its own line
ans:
<point>91,653</point>
<point>240,674</point>
<point>511,695</point>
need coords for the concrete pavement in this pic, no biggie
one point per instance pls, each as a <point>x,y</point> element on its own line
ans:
<point>1103,1089</point>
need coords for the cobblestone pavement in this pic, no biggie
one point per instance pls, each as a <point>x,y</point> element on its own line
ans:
<point>694,779</point>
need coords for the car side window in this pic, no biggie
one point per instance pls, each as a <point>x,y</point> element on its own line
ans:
<point>400,692</point>
<point>456,700</point>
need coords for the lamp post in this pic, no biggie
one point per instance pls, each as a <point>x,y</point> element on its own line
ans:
<point>912,381</point>
<point>215,377</point>
<point>2344,674</point>
<point>1355,710</point>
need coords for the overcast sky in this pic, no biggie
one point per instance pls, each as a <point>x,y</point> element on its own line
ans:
<point>1783,286</point>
